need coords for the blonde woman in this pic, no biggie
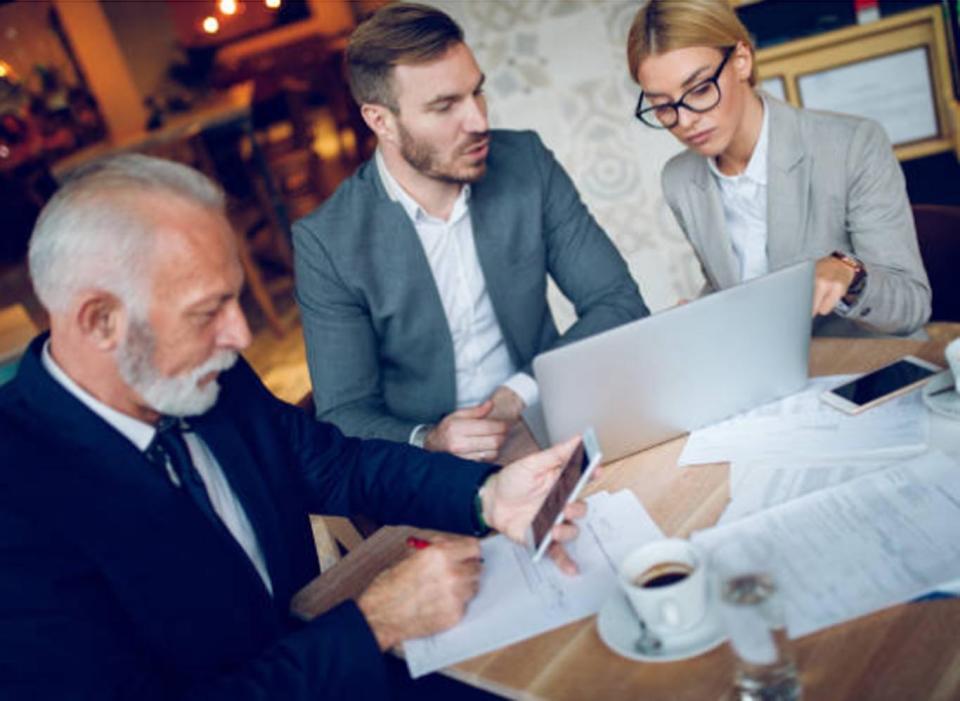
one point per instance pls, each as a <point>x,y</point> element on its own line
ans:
<point>763,185</point>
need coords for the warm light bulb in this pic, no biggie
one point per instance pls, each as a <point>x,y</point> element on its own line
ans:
<point>228,7</point>
<point>211,25</point>
<point>4,70</point>
<point>272,4</point>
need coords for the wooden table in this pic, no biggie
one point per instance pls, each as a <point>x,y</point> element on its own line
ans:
<point>907,652</point>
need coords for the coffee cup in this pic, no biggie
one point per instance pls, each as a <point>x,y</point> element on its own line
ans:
<point>952,354</point>
<point>666,584</point>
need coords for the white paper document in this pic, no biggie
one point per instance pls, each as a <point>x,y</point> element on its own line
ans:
<point>881,539</point>
<point>755,487</point>
<point>801,431</point>
<point>519,599</point>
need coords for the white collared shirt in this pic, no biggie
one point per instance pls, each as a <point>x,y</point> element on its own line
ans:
<point>481,359</point>
<point>222,497</point>
<point>744,198</point>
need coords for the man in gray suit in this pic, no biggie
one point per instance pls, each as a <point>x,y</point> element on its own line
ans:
<point>422,281</point>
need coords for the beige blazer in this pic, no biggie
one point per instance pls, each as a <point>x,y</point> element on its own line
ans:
<point>833,183</point>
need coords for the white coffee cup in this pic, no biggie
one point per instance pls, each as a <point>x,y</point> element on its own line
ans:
<point>952,354</point>
<point>666,584</point>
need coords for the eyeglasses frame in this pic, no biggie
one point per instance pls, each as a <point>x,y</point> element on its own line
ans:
<point>715,78</point>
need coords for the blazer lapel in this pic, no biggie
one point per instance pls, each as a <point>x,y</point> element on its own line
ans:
<point>788,188</point>
<point>718,258</point>
<point>410,289</point>
<point>490,215</point>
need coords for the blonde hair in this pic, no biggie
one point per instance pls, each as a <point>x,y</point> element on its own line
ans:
<point>664,25</point>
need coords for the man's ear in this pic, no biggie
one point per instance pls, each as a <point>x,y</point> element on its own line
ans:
<point>101,318</point>
<point>381,120</point>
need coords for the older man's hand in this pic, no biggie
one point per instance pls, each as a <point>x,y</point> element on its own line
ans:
<point>512,497</point>
<point>425,593</point>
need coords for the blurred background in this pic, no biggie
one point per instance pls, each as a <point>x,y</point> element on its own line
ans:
<point>252,92</point>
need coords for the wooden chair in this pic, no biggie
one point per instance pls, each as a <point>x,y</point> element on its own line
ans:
<point>938,233</point>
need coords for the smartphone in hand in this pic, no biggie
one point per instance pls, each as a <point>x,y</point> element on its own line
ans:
<point>573,478</point>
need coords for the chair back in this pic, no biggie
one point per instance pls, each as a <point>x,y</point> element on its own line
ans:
<point>938,233</point>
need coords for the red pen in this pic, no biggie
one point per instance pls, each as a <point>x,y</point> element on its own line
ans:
<point>417,543</point>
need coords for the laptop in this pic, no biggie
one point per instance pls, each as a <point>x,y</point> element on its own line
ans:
<point>656,378</point>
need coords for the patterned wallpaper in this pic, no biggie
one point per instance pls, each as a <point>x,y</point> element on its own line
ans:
<point>559,67</point>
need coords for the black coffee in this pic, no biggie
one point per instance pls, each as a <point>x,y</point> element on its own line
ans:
<point>663,574</point>
<point>664,580</point>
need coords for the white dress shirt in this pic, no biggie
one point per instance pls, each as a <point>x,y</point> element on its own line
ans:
<point>744,198</point>
<point>481,359</point>
<point>224,501</point>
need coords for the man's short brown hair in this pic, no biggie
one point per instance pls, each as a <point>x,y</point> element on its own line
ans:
<point>400,33</point>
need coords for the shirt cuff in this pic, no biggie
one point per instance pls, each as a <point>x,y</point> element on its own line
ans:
<point>418,435</point>
<point>525,387</point>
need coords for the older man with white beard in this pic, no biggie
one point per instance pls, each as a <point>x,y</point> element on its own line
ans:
<point>154,495</point>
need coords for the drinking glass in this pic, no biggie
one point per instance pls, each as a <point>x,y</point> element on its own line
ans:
<point>751,609</point>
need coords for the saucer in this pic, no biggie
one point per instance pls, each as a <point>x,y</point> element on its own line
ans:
<point>946,403</point>
<point>618,628</point>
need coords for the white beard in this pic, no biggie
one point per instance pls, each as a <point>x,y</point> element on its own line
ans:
<point>179,395</point>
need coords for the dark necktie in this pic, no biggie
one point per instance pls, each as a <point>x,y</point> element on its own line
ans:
<point>169,450</point>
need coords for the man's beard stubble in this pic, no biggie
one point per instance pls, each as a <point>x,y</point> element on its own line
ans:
<point>423,158</point>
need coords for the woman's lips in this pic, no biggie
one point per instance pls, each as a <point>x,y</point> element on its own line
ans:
<point>700,138</point>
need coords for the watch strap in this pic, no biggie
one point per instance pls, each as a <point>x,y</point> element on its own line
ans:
<point>859,277</point>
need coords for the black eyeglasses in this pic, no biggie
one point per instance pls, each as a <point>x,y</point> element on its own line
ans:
<point>702,97</point>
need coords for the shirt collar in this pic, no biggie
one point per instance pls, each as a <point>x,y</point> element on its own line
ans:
<point>756,169</point>
<point>416,213</point>
<point>136,431</point>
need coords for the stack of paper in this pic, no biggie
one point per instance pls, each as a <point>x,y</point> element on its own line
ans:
<point>878,540</point>
<point>800,431</point>
<point>519,599</point>
<point>755,487</point>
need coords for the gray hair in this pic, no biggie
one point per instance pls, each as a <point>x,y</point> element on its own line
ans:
<point>92,234</point>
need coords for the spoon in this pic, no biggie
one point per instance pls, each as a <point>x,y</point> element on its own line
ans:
<point>647,643</point>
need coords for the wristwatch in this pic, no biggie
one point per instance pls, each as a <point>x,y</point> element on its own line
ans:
<point>859,277</point>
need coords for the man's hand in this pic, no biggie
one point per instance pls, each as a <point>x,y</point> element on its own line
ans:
<point>469,433</point>
<point>512,497</point>
<point>832,279</point>
<point>425,593</point>
<point>507,405</point>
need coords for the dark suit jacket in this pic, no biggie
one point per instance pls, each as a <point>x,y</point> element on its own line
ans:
<point>114,586</point>
<point>378,344</point>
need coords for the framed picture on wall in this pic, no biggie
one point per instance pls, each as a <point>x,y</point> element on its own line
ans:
<point>908,113</point>
<point>897,71</point>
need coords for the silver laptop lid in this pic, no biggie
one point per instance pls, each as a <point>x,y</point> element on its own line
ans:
<point>689,366</point>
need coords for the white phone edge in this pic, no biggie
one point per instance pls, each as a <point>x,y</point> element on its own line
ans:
<point>591,447</point>
<point>846,406</point>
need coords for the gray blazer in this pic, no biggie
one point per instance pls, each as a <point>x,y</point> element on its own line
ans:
<point>378,344</point>
<point>833,183</point>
